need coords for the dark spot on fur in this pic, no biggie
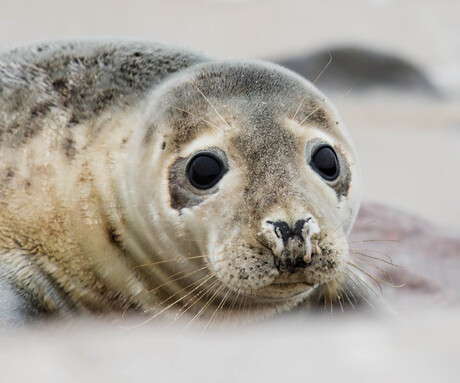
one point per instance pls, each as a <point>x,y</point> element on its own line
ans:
<point>69,148</point>
<point>149,134</point>
<point>7,177</point>
<point>13,127</point>
<point>74,119</point>
<point>31,127</point>
<point>163,145</point>
<point>344,186</point>
<point>320,117</point>
<point>79,60</point>
<point>60,84</point>
<point>113,237</point>
<point>243,274</point>
<point>41,109</point>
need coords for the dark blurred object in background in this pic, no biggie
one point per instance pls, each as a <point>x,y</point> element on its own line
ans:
<point>360,69</point>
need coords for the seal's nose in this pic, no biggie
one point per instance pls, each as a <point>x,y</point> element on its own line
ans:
<point>291,245</point>
<point>285,232</point>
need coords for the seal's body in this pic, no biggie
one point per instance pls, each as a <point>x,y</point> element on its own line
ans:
<point>144,176</point>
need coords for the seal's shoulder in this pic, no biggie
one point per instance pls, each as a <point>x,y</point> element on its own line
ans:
<point>81,78</point>
<point>54,56</point>
<point>72,66</point>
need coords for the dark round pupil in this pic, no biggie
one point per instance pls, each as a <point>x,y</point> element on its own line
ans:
<point>204,171</point>
<point>325,163</point>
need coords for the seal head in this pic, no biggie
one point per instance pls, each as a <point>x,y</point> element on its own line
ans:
<point>252,173</point>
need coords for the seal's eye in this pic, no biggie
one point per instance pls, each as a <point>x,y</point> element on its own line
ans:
<point>324,162</point>
<point>205,170</point>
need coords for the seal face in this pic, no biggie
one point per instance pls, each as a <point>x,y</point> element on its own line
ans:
<point>168,182</point>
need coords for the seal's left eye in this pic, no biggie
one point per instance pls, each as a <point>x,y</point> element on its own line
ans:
<point>324,161</point>
<point>205,170</point>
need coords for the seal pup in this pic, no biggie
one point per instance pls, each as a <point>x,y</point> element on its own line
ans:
<point>143,176</point>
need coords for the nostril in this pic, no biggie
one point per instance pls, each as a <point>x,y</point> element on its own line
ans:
<point>282,230</point>
<point>299,227</point>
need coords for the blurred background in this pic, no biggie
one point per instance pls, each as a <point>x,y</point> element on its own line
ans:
<point>398,62</point>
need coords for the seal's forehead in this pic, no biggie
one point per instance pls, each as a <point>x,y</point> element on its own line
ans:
<point>254,84</point>
<point>243,95</point>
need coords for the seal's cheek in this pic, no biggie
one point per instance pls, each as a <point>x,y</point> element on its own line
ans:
<point>242,266</point>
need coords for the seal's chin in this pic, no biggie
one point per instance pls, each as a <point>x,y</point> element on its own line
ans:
<point>282,290</point>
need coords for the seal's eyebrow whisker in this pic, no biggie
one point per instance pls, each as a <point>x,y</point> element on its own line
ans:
<point>347,93</point>
<point>209,102</point>
<point>312,85</point>
<point>198,117</point>
<point>310,114</point>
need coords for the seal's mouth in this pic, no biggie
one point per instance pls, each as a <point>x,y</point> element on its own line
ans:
<point>283,290</point>
<point>289,284</point>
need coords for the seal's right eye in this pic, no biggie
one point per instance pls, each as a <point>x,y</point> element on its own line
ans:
<point>205,170</point>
